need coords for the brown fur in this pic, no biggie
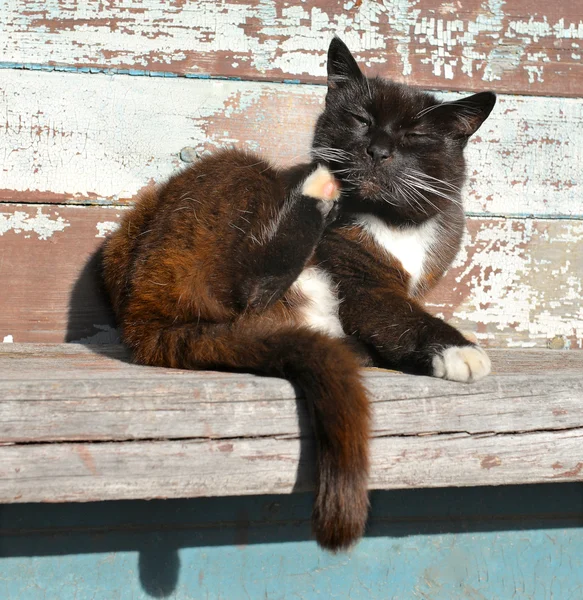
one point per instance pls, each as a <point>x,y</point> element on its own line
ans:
<point>181,274</point>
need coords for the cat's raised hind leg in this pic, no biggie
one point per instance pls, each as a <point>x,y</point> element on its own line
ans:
<point>280,251</point>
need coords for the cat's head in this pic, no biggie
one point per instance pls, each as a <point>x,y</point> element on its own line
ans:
<point>397,150</point>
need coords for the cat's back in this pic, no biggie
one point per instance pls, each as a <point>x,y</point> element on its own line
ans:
<point>201,210</point>
<point>221,180</point>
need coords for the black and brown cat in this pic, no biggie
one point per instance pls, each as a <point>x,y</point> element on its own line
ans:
<point>310,272</point>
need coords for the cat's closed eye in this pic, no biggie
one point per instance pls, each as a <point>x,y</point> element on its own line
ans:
<point>362,120</point>
<point>420,137</point>
<point>417,135</point>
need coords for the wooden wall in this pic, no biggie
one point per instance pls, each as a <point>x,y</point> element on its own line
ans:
<point>100,99</point>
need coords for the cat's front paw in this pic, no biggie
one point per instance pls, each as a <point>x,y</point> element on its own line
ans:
<point>322,185</point>
<point>461,363</point>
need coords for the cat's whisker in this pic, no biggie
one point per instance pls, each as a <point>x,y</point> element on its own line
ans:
<point>422,175</point>
<point>470,108</point>
<point>435,192</point>
<point>423,198</point>
<point>419,184</point>
<point>297,158</point>
<point>329,153</point>
<point>386,199</point>
<point>408,194</point>
<point>416,182</point>
<point>368,87</point>
<point>420,199</point>
<point>428,109</point>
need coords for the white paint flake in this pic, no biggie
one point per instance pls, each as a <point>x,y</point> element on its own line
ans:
<point>105,227</point>
<point>288,36</point>
<point>42,224</point>
<point>8,339</point>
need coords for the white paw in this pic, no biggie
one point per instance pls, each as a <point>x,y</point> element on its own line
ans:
<point>461,363</point>
<point>322,186</point>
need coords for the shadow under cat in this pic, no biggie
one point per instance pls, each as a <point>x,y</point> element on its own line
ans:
<point>158,529</point>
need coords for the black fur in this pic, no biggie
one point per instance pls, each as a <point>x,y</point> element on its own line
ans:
<point>387,133</point>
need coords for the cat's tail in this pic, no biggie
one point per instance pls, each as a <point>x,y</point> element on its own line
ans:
<point>328,373</point>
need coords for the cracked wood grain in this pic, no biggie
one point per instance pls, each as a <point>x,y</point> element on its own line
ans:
<point>178,469</point>
<point>78,424</point>
<point>65,393</point>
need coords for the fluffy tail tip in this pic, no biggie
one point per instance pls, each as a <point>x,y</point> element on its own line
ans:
<point>339,516</point>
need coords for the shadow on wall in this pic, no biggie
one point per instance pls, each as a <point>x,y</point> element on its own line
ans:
<point>90,319</point>
<point>158,529</point>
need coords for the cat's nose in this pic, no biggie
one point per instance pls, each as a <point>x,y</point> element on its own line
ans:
<point>378,152</point>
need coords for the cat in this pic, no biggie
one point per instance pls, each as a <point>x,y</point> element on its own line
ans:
<point>310,272</point>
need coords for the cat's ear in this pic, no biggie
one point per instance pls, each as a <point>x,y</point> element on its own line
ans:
<point>464,117</point>
<point>342,67</point>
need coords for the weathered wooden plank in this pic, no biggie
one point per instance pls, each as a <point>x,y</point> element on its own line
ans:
<point>516,282</point>
<point>74,138</point>
<point>32,361</point>
<point>517,46</point>
<point>238,434</point>
<point>55,393</point>
<point>109,471</point>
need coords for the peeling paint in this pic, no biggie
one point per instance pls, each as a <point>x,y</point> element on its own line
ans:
<point>520,282</point>
<point>516,283</point>
<point>43,225</point>
<point>469,42</point>
<point>524,161</point>
<point>105,227</point>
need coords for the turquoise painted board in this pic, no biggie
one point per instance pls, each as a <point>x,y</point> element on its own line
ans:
<point>469,544</point>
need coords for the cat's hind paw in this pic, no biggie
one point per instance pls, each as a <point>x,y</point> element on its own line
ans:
<point>322,185</point>
<point>461,363</point>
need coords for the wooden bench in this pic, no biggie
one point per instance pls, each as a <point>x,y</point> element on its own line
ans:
<point>179,434</point>
<point>87,125</point>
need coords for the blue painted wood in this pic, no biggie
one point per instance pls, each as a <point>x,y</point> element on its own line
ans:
<point>483,543</point>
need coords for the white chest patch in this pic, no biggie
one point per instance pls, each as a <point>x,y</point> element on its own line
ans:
<point>320,311</point>
<point>410,245</point>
